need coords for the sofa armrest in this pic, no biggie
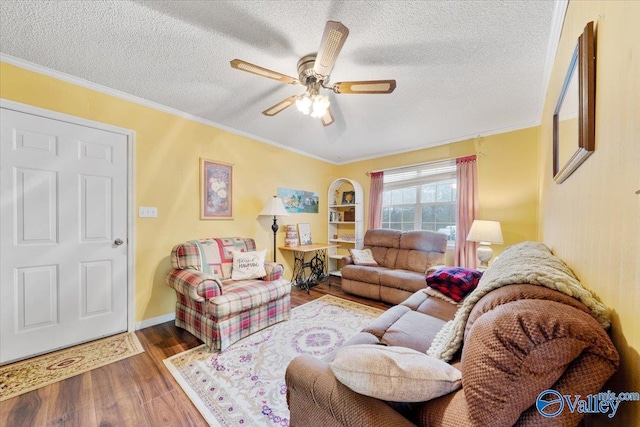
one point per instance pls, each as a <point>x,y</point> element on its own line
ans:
<point>194,284</point>
<point>541,344</point>
<point>316,397</point>
<point>347,260</point>
<point>274,271</point>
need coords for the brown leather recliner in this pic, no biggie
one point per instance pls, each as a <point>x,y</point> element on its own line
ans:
<point>402,257</point>
<point>519,340</point>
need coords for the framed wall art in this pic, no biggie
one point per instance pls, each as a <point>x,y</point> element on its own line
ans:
<point>574,116</point>
<point>299,201</point>
<point>216,190</point>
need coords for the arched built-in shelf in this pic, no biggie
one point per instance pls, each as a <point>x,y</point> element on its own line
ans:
<point>346,220</point>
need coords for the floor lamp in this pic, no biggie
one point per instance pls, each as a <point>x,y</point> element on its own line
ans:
<point>274,207</point>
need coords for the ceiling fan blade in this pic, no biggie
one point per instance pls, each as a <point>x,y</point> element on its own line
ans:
<point>365,86</point>
<point>282,105</point>
<point>241,65</point>
<point>333,38</point>
<point>327,119</point>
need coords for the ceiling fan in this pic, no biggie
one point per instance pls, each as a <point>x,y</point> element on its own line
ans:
<point>313,72</point>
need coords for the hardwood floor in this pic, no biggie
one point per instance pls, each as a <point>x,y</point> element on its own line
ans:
<point>137,391</point>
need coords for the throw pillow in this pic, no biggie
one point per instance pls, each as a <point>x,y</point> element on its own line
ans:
<point>395,374</point>
<point>248,265</point>
<point>362,257</point>
<point>454,282</point>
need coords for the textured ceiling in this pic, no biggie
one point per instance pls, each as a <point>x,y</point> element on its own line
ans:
<point>463,68</point>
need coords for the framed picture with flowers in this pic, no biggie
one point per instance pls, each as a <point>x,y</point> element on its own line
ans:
<point>216,190</point>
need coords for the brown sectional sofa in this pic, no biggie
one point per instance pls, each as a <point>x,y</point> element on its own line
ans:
<point>519,340</point>
<point>402,257</point>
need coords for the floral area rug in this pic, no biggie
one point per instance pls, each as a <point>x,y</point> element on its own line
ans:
<point>244,384</point>
<point>27,375</point>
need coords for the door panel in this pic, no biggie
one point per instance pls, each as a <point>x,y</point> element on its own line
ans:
<point>36,196</point>
<point>36,142</point>
<point>95,209</point>
<point>37,305</point>
<point>64,201</point>
<point>96,286</point>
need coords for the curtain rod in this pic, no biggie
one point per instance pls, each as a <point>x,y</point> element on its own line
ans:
<point>407,166</point>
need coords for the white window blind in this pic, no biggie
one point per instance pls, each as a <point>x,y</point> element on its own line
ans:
<point>418,174</point>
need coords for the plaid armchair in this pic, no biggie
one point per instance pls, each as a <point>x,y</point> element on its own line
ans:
<point>213,307</point>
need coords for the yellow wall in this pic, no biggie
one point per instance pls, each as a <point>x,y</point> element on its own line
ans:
<point>167,155</point>
<point>507,178</point>
<point>592,220</point>
<point>168,149</point>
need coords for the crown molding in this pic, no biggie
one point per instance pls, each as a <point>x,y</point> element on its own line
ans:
<point>144,102</point>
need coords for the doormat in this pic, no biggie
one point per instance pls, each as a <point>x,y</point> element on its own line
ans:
<point>244,385</point>
<point>27,375</point>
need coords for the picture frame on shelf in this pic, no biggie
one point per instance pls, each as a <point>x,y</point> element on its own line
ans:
<point>304,231</point>
<point>350,214</point>
<point>348,197</point>
<point>216,190</point>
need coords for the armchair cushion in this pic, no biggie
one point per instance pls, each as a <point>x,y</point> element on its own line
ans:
<point>395,374</point>
<point>248,265</point>
<point>211,256</point>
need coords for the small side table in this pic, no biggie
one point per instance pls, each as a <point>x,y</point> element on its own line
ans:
<point>317,265</point>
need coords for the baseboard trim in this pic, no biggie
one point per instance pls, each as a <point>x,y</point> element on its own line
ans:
<point>155,321</point>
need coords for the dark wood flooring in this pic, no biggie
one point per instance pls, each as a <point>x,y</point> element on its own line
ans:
<point>137,391</point>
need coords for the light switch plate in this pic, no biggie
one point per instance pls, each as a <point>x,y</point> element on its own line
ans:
<point>147,212</point>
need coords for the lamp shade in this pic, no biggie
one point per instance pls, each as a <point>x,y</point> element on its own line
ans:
<point>485,232</point>
<point>274,207</point>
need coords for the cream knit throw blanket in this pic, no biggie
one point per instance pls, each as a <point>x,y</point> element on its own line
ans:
<point>528,263</point>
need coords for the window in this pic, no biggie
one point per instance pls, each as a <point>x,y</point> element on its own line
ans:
<point>421,197</point>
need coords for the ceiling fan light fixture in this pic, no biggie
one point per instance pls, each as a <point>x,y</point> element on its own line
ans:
<point>314,73</point>
<point>303,104</point>
<point>312,104</point>
<point>320,106</point>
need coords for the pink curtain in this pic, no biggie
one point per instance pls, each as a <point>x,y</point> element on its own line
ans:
<point>375,200</point>
<point>466,172</point>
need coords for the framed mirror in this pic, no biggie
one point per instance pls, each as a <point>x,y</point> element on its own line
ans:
<point>574,116</point>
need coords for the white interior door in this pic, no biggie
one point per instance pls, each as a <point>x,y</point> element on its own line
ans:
<point>63,234</point>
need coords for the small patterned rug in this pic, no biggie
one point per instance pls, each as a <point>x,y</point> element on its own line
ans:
<point>244,384</point>
<point>27,375</point>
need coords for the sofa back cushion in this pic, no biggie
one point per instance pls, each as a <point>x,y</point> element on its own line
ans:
<point>424,241</point>
<point>382,238</point>
<point>410,250</point>
<point>211,256</point>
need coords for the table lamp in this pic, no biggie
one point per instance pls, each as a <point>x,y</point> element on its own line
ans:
<point>485,233</point>
<point>274,207</point>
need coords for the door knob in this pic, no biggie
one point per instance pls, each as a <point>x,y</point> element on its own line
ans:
<point>118,242</point>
